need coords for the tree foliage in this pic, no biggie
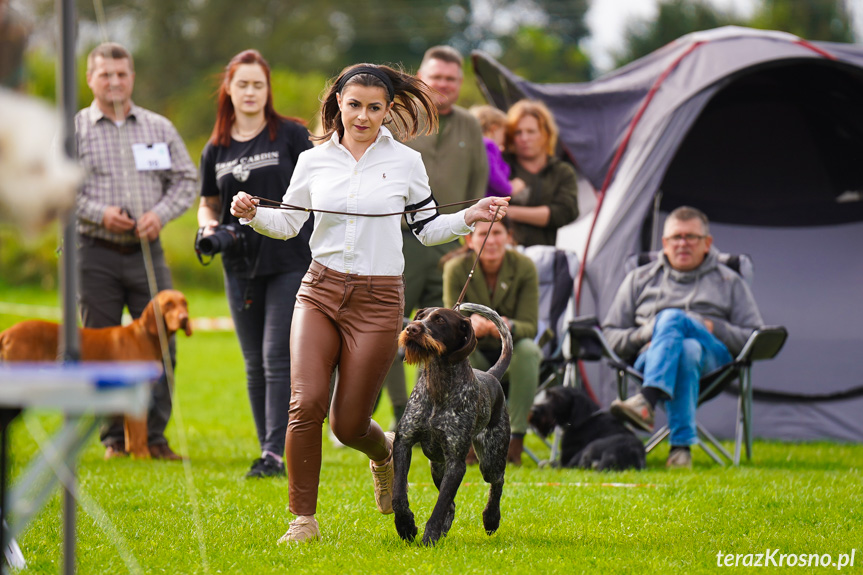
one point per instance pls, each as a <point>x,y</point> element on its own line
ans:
<point>541,57</point>
<point>181,46</point>
<point>828,20</point>
<point>674,19</point>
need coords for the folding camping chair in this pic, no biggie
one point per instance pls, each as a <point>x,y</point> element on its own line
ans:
<point>556,270</point>
<point>587,342</point>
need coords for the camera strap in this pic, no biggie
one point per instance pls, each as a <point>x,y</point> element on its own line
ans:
<point>248,300</point>
<point>198,253</point>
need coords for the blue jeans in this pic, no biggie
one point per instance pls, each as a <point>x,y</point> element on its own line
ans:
<point>264,330</point>
<point>680,352</point>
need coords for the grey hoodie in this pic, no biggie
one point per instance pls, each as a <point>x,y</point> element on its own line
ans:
<point>711,291</point>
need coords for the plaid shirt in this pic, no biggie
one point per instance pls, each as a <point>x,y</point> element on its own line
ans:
<point>105,152</point>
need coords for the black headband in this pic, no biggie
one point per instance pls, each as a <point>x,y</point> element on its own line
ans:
<point>374,71</point>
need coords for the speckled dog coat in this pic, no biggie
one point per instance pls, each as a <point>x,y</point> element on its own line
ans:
<point>452,406</point>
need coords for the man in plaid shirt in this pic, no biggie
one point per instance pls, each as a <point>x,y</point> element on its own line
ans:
<point>139,177</point>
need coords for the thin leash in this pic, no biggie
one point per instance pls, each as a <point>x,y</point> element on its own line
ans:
<point>267,203</point>
<point>284,206</point>
<point>475,261</point>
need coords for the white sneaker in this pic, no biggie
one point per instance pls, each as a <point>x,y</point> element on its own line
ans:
<point>303,528</point>
<point>383,479</point>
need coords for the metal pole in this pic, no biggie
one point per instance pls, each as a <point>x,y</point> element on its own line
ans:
<point>67,96</point>
<point>654,231</point>
<point>6,417</point>
<point>67,91</point>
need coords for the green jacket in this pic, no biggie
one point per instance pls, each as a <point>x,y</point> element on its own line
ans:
<point>554,186</point>
<point>455,159</point>
<point>516,294</point>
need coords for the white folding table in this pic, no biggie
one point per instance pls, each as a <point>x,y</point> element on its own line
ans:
<point>83,392</point>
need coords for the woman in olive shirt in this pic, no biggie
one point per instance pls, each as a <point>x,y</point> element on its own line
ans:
<point>507,282</point>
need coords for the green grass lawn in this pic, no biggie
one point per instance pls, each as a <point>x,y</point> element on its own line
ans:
<point>154,517</point>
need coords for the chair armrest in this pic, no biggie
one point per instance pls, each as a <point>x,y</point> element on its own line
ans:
<point>587,342</point>
<point>583,343</point>
<point>764,343</point>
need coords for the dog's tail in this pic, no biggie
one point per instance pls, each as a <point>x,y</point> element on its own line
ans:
<point>500,367</point>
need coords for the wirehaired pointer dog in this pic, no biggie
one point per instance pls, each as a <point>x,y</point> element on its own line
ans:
<point>592,439</point>
<point>451,407</point>
<point>36,340</point>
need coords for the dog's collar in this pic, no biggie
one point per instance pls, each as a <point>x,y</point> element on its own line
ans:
<point>596,413</point>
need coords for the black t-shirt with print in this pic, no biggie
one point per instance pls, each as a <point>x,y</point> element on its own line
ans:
<point>261,168</point>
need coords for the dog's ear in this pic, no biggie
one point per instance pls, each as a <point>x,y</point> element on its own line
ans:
<point>148,318</point>
<point>186,324</point>
<point>465,329</point>
<point>577,403</point>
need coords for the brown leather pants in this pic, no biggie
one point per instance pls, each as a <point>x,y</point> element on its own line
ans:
<point>352,322</point>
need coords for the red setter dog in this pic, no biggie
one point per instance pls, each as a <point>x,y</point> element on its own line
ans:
<point>36,340</point>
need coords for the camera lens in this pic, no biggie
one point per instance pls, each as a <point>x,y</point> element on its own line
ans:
<point>222,239</point>
<point>209,245</point>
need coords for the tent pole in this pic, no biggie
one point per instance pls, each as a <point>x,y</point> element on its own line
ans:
<point>654,233</point>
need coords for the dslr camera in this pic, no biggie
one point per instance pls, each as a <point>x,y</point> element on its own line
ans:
<point>226,237</point>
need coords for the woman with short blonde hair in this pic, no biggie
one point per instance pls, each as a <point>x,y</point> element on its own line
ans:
<point>550,199</point>
<point>545,120</point>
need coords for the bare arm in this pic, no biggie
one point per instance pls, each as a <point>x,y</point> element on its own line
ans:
<point>535,215</point>
<point>208,213</point>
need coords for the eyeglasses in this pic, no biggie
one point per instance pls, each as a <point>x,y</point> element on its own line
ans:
<point>688,238</point>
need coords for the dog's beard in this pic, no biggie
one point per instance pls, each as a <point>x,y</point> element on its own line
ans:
<point>420,349</point>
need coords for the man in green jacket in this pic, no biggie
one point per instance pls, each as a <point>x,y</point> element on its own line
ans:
<point>505,281</point>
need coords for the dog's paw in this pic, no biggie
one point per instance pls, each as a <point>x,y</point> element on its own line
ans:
<point>430,539</point>
<point>433,531</point>
<point>447,521</point>
<point>491,520</point>
<point>406,527</point>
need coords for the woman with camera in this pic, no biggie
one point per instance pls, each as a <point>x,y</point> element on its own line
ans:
<point>253,148</point>
<point>349,309</point>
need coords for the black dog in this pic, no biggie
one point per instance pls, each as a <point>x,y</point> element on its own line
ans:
<point>592,439</point>
<point>451,407</point>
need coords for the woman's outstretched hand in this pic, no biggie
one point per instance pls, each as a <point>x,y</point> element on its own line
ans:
<point>485,209</point>
<point>244,206</point>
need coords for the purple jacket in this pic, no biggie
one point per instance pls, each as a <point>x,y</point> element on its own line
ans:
<point>498,171</point>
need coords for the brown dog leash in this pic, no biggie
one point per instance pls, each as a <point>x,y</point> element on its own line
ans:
<point>284,206</point>
<point>267,203</point>
<point>475,261</point>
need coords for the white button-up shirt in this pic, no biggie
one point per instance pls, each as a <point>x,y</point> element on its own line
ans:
<point>388,178</point>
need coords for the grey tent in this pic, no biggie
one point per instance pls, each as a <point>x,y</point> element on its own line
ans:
<point>764,132</point>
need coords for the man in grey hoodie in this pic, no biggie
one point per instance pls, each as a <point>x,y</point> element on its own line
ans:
<point>679,318</point>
